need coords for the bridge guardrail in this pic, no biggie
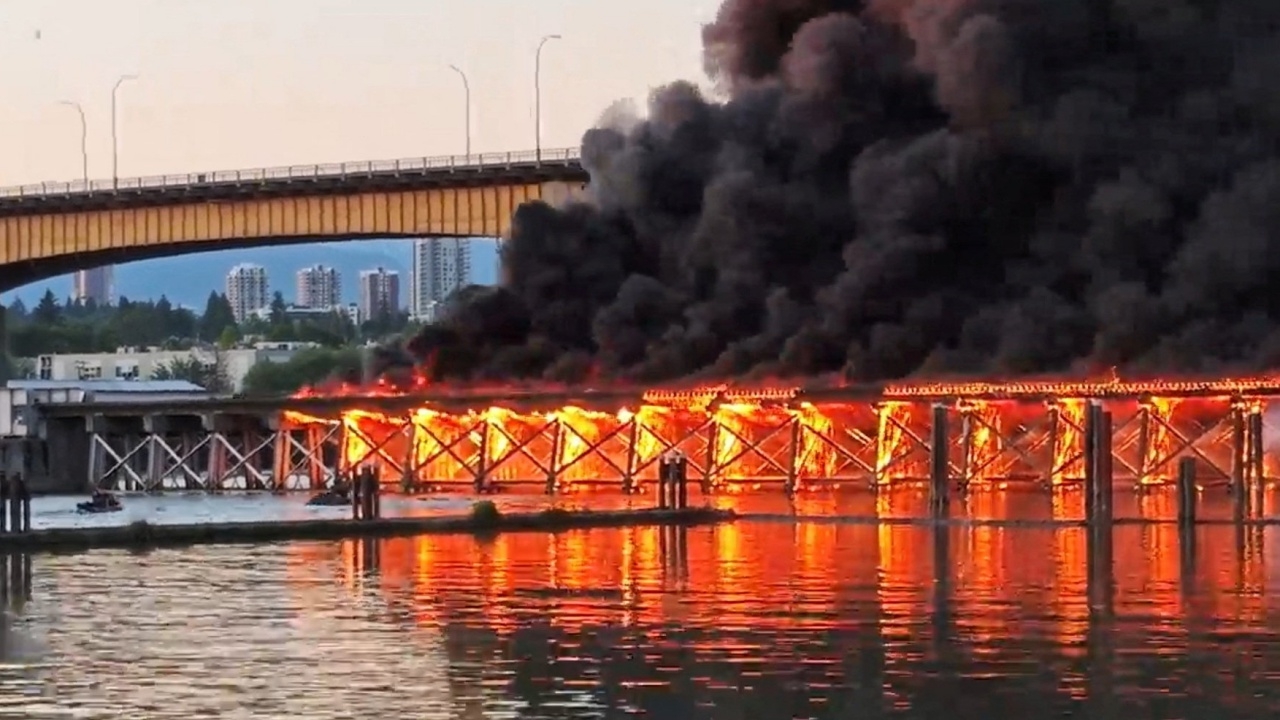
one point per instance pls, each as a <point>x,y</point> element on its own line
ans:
<point>451,163</point>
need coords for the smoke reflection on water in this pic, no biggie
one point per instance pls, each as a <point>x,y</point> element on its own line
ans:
<point>756,619</point>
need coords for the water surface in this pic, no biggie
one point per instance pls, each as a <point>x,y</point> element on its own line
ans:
<point>1157,503</point>
<point>761,619</point>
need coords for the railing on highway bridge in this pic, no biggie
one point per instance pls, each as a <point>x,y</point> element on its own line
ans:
<point>449,163</point>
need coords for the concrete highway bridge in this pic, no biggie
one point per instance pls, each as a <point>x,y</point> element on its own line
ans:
<point>50,229</point>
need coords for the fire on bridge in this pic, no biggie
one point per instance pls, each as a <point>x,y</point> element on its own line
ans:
<point>737,439</point>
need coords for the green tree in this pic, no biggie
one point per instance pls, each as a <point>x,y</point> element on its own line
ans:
<point>387,322</point>
<point>229,337</point>
<point>308,367</point>
<point>47,311</point>
<point>208,374</point>
<point>279,310</point>
<point>217,316</point>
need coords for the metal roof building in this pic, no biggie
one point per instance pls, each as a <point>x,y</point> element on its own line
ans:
<point>19,396</point>
<point>109,386</point>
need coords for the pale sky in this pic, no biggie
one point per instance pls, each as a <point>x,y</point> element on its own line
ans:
<point>237,84</point>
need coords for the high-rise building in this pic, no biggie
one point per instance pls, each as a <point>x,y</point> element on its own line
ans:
<point>379,293</point>
<point>94,284</point>
<point>440,266</point>
<point>319,287</point>
<point>246,290</point>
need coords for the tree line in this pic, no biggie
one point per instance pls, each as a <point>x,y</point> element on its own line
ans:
<point>57,327</point>
<point>65,327</point>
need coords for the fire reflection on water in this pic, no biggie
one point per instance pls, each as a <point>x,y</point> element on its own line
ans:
<point>998,583</point>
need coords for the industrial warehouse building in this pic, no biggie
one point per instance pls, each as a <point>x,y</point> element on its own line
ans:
<point>141,364</point>
<point>53,457</point>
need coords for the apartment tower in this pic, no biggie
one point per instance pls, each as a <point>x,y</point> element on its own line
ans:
<point>440,266</point>
<point>246,290</point>
<point>319,288</point>
<point>379,293</point>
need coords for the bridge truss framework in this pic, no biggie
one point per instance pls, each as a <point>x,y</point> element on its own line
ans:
<point>730,445</point>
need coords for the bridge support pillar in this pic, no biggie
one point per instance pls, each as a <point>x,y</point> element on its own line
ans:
<point>241,453</point>
<point>305,457</point>
<point>118,455</point>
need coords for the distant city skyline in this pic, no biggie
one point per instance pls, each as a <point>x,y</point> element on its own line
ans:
<point>188,279</point>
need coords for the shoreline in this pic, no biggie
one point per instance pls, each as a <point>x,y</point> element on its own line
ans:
<point>144,535</point>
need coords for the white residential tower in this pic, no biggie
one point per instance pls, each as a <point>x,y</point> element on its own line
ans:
<point>246,290</point>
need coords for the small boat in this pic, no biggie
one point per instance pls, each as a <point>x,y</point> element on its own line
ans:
<point>104,503</point>
<point>330,498</point>
<point>92,507</point>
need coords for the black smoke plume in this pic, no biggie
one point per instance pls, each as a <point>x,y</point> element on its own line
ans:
<point>914,187</point>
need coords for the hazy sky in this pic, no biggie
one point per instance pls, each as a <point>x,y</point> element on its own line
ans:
<point>228,84</point>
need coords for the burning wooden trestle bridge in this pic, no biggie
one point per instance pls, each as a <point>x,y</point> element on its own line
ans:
<point>735,439</point>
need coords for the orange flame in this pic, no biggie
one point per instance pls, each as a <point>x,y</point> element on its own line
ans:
<point>737,436</point>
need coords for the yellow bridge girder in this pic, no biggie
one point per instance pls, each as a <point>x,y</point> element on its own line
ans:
<point>118,234</point>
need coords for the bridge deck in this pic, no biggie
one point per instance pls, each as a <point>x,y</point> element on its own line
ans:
<point>615,399</point>
<point>425,172</point>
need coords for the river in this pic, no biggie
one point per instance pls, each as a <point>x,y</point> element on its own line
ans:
<point>804,616</point>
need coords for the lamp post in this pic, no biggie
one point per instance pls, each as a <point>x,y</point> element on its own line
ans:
<point>115,140</point>
<point>84,140</point>
<point>537,94</point>
<point>466,88</point>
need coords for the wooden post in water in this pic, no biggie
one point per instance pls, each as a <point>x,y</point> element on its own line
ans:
<point>370,493</point>
<point>1187,497</point>
<point>24,497</point>
<point>1104,479</point>
<point>939,465</point>
<point>1239,494</point>
<point>682,481</point>
<point>356,492</point>
<point>664,479</point>
<point>1186,493</point>
<point>793,458</point>
<point>375,495</point>
<point>1090,460</point>
<point>1256,460</point>
<point>15,503</point>
<point>4,502</point>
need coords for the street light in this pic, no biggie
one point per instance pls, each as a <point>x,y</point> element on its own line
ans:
<point>84,139</point>
<point>115,141</point>
<point>537,94</point>
<point>466,87</point>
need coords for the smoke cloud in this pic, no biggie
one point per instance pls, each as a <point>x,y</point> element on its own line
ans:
<point>897,188</point>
